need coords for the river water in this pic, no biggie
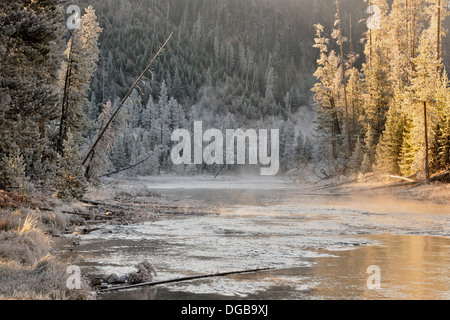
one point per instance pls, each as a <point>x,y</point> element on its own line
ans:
<point>319,246</point>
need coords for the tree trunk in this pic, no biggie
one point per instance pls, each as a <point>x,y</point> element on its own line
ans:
<point>64,108</point>
<point>427,170</point>
<point>347,122</point>
<point>438,50</point>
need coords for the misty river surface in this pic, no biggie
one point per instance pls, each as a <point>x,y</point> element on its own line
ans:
<point>319,246</point>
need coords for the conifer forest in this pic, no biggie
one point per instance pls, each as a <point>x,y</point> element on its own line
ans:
<point>95,94</point>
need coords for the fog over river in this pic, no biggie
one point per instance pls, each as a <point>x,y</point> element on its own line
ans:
<point>319,246</point>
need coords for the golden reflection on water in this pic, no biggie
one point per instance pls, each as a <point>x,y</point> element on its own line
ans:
<point>412,267</point>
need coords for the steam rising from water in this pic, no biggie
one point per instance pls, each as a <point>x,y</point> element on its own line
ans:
<point>256,222</point>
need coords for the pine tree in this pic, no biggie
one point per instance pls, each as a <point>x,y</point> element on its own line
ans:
<point>423,87</point>
<point>366,165</point>
<point>326,94</point>
<point>388,151</point>
<point>99,159</point>
<point>287,146</point>
<point>70,182</point>
<point>308,150</point>
<point>378,98</point>
<point>13,176</point>
<point>30,51</point>
<point>440,151</point>
<point>81,59</point>
<point>409,150</point>
<point>340,41</point>
<point>300,148</point>
<point>357,157</point>
<point>119,156</point>
<point>288,102</point>
<point>270,107</point>
<point>355,92</point>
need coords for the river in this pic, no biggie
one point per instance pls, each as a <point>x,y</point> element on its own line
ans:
<point>319,246</point>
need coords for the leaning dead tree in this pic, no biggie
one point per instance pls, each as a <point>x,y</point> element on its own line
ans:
<point>126,168</point>
<point>94,145</point>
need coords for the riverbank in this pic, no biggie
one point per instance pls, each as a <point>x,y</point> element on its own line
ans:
<point>33,228</point>
<point>437,192</point>
<point>29,267</point>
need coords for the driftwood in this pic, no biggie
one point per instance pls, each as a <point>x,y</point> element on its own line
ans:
<point>445,176</point>
<point>154,283</point>
<point>395,185</point>
<point>82,214</point>
<point>399,177</point>
<point>97,203</point>
<point>333,185</point>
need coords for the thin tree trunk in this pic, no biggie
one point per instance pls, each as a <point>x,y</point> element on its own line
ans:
<point>351,66</point>
<point>370,42</point>
<point>407,35</point>
<point>413,30</point>
<point>427,170</point>
<point>64,107</point>
<point>438,50</point>
<point>347,122</point>
<point>127,168</point>
<point>336,129</point>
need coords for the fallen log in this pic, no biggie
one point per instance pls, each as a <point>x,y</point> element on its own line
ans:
<point>395,185</point>
<point>333,185</point>
<point>98,203</point>
<point>154,283</point>
<point>399,177</point>
<point>84,214</point>
<point>445,176</point>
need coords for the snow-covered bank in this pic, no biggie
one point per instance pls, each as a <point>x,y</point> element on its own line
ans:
<point>29,267</point>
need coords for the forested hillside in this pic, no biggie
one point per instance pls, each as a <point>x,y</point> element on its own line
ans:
<point>230,63</point>
<point>240,45</point>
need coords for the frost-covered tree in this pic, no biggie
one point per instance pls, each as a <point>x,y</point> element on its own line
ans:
<point>80,61</point>
<point>70,182</point>
<point>389,148</point>
<point>440,149</point>
<point>326,96</point>
<point>270,105</point>
<point>287,144</point>
<point>423,88</point>
<point>357,157</point>
<point>30,53</point>
<point>99,163</point>
<point>13,176</point>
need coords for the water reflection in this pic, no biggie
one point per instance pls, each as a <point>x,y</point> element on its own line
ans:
<point>412,267</point>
